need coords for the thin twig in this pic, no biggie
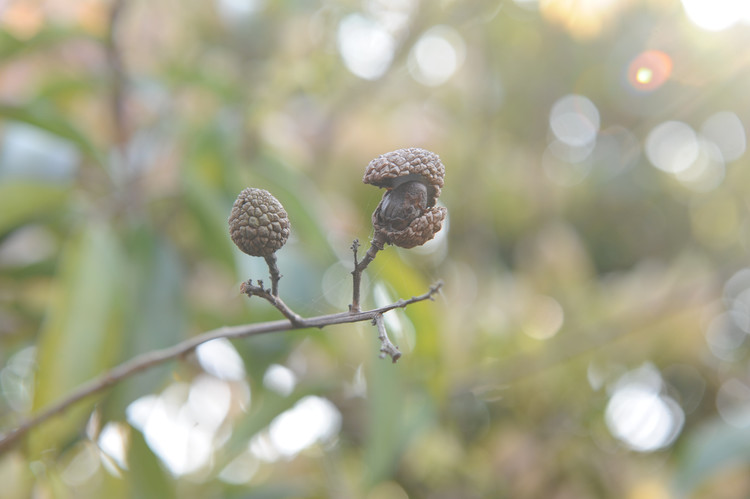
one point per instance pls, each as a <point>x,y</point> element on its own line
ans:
<point>377,244</point>
<point>147,360</point>
<point>250,290</point>
<point>119,76</point>
<point>273,270</point>
<point>386,347</point>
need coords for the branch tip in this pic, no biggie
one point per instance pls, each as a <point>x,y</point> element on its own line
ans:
<point>386,347</point>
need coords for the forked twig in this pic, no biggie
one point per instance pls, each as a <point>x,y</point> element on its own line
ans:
<point>142,362</point>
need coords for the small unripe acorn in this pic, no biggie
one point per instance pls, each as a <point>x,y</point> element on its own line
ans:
<point>407,215</point>
<point>258,224</point>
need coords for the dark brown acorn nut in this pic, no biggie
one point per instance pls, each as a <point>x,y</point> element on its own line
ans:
<point>407,215</point>
<point>418,232</point>
<point>258,224</point>
<point>412,164</point>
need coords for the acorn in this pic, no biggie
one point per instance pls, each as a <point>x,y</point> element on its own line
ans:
<point>407,215</point>
<point>258,224</point>
<point>395,168</point>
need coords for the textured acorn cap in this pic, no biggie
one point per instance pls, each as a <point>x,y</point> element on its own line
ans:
<point>258,224</point>
<point>418,232</point>
<point>403,165</point>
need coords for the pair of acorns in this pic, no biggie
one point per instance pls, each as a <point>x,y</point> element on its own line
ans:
<point>406,216</point>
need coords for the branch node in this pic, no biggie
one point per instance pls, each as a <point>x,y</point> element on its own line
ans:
<point>377,244</point>
<point>354,247</point>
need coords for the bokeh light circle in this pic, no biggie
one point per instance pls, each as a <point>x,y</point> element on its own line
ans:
<point>640,415</point>
<point>366,47</point>
<point>725,129</point>
<point>574,120</point>
<point>733,403</point>
<point>436,56</point>
<point>672,146</point>
<point>642,419</point>
<point>707,171</point>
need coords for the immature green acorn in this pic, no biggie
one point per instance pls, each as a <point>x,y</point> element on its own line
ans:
<point>258,224</point>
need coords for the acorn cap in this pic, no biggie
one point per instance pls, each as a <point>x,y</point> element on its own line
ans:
<point>418,232</point>
<point>258,224</point>
<point>404,165</point>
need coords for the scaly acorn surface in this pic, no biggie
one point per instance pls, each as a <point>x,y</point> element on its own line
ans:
<point>258,224</point>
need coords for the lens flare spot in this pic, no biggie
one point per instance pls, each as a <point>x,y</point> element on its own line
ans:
<point>649,70</point>
<point>644,76</point>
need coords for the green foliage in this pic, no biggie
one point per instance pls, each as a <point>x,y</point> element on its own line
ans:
<point>82,333</point>
<point>27,202</point>
<point>576,276</point>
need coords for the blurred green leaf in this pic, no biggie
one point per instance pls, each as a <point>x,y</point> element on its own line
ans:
<point>21,202</point>
<point>386,400</point>
<point>51,36</point>
<point>265,407</point>
<point>146,477</point>
<point>298,196</point>
<point>268,491</point>
<point>15,476</point>
<point>210,213</point>
<point>155,313</point>
<point>711,447</point>
<point>44,116</point>
<point>82,332</point>
<point>406,281</point>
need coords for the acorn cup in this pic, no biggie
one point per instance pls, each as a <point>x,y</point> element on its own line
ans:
<point>259,226</point>
<point>407,215</point>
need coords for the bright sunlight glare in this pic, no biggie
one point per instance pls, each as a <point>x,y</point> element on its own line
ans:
<point>716,15</point>
<point>219,358</point>
<point>311,420</point>
<point>181,424</point>
<point>640,415</point>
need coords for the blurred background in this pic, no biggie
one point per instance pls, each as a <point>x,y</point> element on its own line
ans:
<point>591,336</point>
